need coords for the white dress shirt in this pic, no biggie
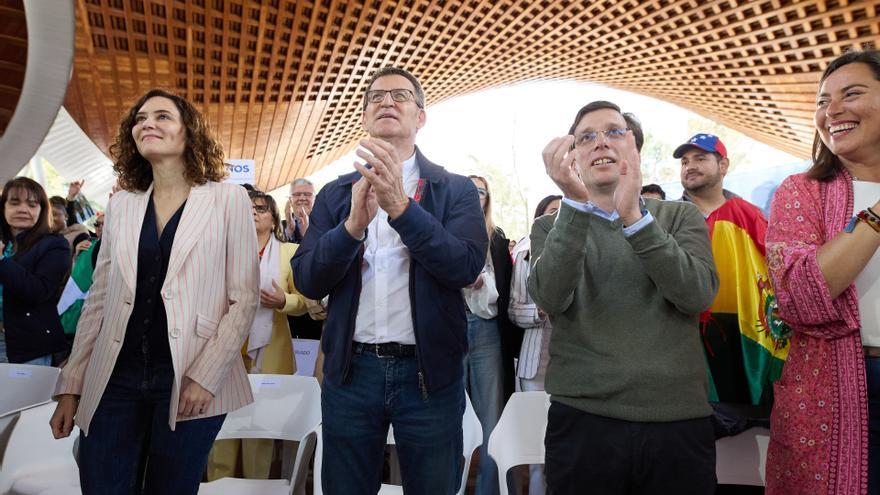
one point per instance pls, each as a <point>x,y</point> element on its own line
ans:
<point>868,280</point>
<point>384,311</point>
<point>589,207</point>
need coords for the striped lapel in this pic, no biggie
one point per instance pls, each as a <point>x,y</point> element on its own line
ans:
<point>199,207</point>
<point>130,234</point>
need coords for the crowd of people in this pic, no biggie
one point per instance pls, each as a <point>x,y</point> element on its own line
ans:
<point>641,316</point>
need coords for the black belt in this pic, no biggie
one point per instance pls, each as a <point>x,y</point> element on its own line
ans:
<point>386,349</point>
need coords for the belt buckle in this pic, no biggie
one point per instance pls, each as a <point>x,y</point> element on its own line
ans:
<point>378,349</point>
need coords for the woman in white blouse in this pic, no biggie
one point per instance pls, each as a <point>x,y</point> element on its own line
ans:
<point>524,313</point>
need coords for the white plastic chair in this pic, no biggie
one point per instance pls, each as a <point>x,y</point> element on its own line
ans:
<point>25,385</point>
<point>739,460</point>
<point>285,407</point>
<point>472,436</point>
<point>34,462</point>
<point>518,438</point>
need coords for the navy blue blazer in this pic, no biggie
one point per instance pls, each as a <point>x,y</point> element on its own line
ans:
<point>31,285</point>
<point>446,236</point>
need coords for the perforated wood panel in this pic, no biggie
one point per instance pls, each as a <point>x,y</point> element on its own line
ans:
<point>282,80</point>
<point>13,57</point>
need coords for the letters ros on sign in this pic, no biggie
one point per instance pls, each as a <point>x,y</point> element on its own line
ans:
<point>241,171</point>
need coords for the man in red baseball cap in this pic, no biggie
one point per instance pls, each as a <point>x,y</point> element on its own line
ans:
<point>745,347</point>
<point>703,167</point>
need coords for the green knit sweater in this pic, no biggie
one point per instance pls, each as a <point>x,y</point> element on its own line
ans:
<point>625,311</point>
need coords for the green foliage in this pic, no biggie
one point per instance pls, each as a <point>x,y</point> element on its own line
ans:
<point>735,142</point>
<point>657,166</point>
<point>509,205</point>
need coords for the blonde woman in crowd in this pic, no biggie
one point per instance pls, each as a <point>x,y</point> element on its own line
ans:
<point>156,362</point>
<point>268,348</point>
<point>492,340</point>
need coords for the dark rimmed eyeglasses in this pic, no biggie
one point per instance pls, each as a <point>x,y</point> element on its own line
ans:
<point>591,137</point>
<point>399,95</point>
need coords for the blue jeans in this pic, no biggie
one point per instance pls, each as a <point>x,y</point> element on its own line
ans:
<point>3,358</point>
<point>41,361</point>
<point>872,370</point>
<point>130,448</point>
<point>356,416</point>
<point>484,372</point>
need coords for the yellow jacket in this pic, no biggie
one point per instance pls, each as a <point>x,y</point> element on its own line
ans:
<point>278,355</point>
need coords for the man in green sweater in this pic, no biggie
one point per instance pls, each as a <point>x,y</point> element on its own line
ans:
<point>623,280</point>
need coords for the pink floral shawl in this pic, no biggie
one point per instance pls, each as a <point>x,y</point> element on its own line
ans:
<point>819,425</point>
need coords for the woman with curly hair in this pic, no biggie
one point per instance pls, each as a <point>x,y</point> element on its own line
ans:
<point>822,242</point>
<point>155,364</point>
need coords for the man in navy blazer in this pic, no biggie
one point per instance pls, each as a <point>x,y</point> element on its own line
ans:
<point>393,244</point>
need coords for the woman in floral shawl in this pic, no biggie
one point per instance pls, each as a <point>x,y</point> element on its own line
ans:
<point>822,253</point>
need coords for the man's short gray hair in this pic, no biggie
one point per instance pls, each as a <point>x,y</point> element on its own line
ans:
<point>302,181</point>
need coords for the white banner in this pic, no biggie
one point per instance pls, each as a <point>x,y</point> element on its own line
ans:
<point>241,171</point>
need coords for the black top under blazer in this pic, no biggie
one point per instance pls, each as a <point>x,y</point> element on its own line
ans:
<point>31,286</point>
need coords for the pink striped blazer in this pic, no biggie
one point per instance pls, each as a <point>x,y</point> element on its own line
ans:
<point>211,292</point>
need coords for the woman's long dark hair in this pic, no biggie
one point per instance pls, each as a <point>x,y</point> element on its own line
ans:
<point>825,163</point>
<point>542,205</point>
<point>25,189</point>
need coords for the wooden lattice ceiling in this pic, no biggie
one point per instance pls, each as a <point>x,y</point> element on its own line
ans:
<point>281,80</point>
<point>13,57</point>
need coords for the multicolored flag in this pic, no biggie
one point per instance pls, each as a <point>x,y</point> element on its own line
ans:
<point>77,288</point>
<point>744,309</point>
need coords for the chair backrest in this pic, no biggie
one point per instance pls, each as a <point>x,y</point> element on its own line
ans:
<point>285,407</point>
<point>472,436</point>
<point>739,460</point>
<point>518,438</point>
<point>25,385</point>
<point>763,442</point>
<point>32,445</point>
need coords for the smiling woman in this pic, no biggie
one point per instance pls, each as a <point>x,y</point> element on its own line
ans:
<point>822,243</point>
<point>175,290</point>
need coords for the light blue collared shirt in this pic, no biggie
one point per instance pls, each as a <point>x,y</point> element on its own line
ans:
<point>589,207</point>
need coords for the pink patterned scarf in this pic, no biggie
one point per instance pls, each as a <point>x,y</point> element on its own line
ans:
<point>819,431</point>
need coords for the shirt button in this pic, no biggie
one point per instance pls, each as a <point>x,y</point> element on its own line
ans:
<point>47,331</point>
<point>175,332</point>
<point>27,314</point>
<point>146,321</point>
<point>152,278</point>
<point>150,300</point>
<point>167,294</point>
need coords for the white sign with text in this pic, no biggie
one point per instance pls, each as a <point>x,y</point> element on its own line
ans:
<point>241,171</point>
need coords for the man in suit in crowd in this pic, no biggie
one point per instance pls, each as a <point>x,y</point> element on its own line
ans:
<point>393,244</point>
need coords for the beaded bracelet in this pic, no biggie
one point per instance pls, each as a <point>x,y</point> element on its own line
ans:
<point>867,216</point>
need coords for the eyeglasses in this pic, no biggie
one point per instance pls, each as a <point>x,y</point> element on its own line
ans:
<point>261,208</point>
<point>398,95</point>
<point>302,195</point>
<point>482,192</point>
<point>590,137</point>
